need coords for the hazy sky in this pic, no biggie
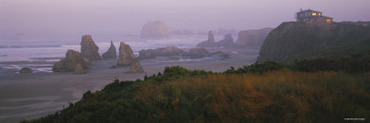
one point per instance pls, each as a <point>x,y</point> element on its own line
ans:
<point>128,16</point>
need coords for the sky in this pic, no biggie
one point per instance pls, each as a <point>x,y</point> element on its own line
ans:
<point>65,17</point>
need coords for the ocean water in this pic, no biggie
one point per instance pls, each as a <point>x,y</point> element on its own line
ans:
<point>40,54</point>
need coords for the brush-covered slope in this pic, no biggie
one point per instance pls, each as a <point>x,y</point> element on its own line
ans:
<point>292,40</point>
<point>268,92</point>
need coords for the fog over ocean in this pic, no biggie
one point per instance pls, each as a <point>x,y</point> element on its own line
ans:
<point>39,54</point>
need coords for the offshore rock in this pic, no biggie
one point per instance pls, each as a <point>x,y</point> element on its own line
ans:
<point>165,51</point>
<point>210,42</point>
<point>26,70</point>
<point>155,30</point>
<point>195,53</point>
<point>89,49</point>
<point>111,53</point>
<point>135,67</point>
<point>228,41</point>
<point>126,55</point>
<point>70,63</point>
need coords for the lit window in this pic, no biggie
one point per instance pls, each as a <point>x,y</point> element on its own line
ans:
<point>314,14</point>
<point>319,14</point>
<point>328,20</point>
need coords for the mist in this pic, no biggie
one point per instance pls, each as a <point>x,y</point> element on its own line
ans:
<point>116,17</point>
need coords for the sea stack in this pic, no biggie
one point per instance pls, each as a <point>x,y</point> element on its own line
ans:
<point>126,55</point>
<point>89,49</point>
<point>228,41</point>
<point>73,62</point>
<point>155,30</point>
<point>111,53</point>
<point>210,42</point>
<point>135,67</point>
<point>211,37</point>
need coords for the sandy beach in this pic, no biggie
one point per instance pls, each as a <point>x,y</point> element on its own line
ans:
<point>27,96</point>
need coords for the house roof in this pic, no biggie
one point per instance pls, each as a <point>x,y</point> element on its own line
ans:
<point>309,10</point>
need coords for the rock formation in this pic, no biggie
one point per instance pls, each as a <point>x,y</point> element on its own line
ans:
<point>126,55</point>
<point>89,49</point>
<point>26,70</point>
<point>111,53</point>
<point>156,30</point>
<point>166,51</point>
<point>209,43</point>
<point>72,62</point>
<point>79,69</point>
<point>293,40</point>
<point>195,53</point>
<point>228,41</point>
<point>135,67</point>
<point>253,37</point>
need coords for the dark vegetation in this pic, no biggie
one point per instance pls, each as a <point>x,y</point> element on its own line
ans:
<point>262,92</point>
<point>357,63</point>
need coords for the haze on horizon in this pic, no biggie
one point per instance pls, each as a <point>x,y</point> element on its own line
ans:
<point>67,17</point>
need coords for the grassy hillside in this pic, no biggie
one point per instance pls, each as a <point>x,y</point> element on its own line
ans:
<point>268,92</point>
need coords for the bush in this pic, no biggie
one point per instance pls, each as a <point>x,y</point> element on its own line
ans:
<point>352,64</point>
<point>257,68</point>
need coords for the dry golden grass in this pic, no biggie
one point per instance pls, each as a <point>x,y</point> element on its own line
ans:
<point>284,95</point>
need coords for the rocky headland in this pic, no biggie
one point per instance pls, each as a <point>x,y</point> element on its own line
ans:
<point>293,40</point>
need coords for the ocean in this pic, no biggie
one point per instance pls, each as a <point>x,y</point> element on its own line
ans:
<point>40,54</point>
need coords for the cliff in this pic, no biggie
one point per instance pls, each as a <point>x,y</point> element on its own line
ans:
<point>292,40</point>
<point>156,30</point>
<point>253,37</point>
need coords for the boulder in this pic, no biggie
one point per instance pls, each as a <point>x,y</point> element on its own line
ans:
<point>135,67</point>
<point>68,64</point>
<point>26,70</point>
<point>209,43</point>
<point>111,53</point>
<point>89,49</point>
<point>156,30</point>
<point>126,55</point>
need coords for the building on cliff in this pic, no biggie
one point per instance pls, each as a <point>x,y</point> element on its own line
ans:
<point>312,16</point>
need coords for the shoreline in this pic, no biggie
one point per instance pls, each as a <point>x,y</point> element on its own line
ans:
<point>27,96</point>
